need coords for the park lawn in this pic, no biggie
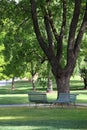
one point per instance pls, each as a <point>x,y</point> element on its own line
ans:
<point>23,98</point>
<point>20,94</point>
<point>13,99</point>
<point>43,118</point>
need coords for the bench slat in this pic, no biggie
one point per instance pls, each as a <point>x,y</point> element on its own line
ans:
<point>37,97</point>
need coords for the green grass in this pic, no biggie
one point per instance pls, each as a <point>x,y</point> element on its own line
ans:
<point>42,118</point>
<point>25,118</point>
<point>14,99</point>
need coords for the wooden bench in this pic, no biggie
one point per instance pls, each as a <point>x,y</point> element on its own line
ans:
<point>37,97</point>
<point>65,98</point>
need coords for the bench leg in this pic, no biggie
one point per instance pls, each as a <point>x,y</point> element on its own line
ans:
<point>66,104</point>
<point>74,104</point>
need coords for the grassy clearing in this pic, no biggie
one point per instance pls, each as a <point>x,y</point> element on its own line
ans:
<point>42,118</point>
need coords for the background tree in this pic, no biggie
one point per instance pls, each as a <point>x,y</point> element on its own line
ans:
<point>46,77</point>
<point>56,35</point>
<point>22,53</point>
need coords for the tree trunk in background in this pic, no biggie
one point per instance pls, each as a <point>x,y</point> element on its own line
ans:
<point>33,83</point>
<point>85,83</point>
<point>50,86</point>
<point>33,75</point>
<point>13,84</point>
<point>49,83</point>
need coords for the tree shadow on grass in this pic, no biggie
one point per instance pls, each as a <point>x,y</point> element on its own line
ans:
<point>48,124</point>
<point>13,100</point>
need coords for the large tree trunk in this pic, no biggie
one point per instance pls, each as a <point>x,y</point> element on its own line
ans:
<point>63,84</point>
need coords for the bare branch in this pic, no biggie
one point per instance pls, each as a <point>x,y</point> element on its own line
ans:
<point>47,26</point>
<point>74,24</point>
<point>52,26</point>
<point>60,40</point>
<point>63,19</point>
<point>81,32</point>
<point>71,39</point>
<point>48,51</point>
<point>48,30</point>
<point>36,27</point>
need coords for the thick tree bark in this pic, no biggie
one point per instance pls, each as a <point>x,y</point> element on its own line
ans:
<point>62,75</point>
<point>63,84</point>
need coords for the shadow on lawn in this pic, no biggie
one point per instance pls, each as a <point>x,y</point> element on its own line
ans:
<point>45,124</point>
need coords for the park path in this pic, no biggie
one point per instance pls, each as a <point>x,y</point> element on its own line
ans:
<point>31,105</point>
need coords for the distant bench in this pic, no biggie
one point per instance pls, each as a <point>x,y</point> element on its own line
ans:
<point>66,98</point>
<point>37,97</point>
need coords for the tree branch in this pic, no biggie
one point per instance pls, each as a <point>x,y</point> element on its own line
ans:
<point>48,51</point>
<point>59,45</point>
<point>47,26</point>
<point>63,20</point>
<point>59,37</point>
<point>81,32</point>
<point>52,26</point>
<point>36,27</point>
<point>74,24</point>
